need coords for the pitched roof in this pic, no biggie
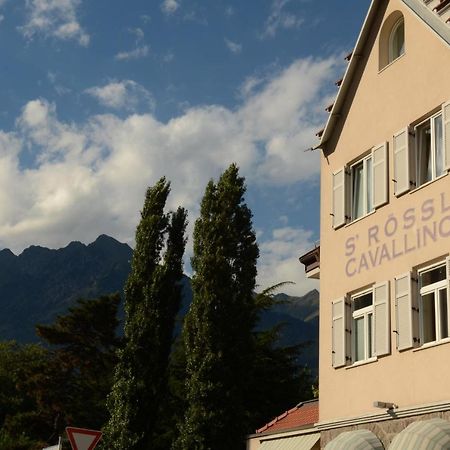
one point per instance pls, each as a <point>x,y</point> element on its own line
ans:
<point>421,10</point>
<point>302,415</point>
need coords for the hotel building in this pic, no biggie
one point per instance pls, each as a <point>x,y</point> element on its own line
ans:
<point>384,373</point>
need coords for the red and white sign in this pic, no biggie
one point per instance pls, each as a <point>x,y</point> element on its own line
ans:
<point>82,439</point>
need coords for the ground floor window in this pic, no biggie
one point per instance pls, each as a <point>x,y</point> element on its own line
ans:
<point>433,304</point>
<point>362,326</point>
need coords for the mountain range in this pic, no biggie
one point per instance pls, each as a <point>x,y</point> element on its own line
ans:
<point>41,283</point>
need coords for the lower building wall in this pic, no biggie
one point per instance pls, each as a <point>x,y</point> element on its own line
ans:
<point>385,430</point>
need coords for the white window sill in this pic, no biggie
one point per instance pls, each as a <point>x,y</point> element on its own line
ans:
<point>362,363</point>
<point>360,218</point>
<point>392,62</point>
<point>432,344</point>
<point>424,185</point>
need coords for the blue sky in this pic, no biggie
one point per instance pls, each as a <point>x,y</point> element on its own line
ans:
<point>101,98</point>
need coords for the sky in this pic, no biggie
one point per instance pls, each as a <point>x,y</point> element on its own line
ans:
<point>101,98</point>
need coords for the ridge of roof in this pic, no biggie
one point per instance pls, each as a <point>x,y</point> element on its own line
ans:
<point>421,10</point>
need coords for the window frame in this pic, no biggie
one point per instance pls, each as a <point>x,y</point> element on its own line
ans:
<point>419,148</point>
<point>433,288</point>
<point>392,35</point>
<point>366,181</point>
<point>364,313</point>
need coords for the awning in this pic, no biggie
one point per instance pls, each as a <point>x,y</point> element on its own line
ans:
<point>305,442</point>
<point>356,440</point>
<point>433,434</point>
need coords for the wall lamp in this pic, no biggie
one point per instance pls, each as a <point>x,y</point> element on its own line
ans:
<point>385,405</point>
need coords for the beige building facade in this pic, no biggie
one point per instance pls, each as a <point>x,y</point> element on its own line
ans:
<point>385,233</point>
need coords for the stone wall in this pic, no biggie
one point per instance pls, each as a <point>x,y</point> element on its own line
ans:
<point>385,430</point>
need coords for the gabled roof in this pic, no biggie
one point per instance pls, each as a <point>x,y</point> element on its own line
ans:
<point>440,28</point>
<point>302,415</point>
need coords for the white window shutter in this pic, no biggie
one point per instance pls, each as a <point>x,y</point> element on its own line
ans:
<point>339,198</point>
<point>447,266</point>
<point>401,162</point>
<point>381,306</point>
<point>404,312</point>
<point>380,175</point>
<point>446,129</point>
<point>339,332</point>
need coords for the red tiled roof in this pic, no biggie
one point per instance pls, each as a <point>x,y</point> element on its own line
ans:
<point>305,413</point>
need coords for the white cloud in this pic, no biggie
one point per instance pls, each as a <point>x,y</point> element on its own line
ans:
<point>137,53</point>
<point>229,11</point>
<point>279,260</point>
<point>249,86</point>
<point>125,94</point>
<point>169,6</point>
<point>141,49</point>
<point>90,178</point>
<point>233,46</point>
<point>138,32</point>
<point>54,18</point>
<point>280,18</point>
<point>168,57</point>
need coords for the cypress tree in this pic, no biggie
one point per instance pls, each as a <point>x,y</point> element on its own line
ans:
<point>152,300</point>
<point>218,327</point>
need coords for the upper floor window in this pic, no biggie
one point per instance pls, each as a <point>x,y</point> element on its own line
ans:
<point>391,39</point>
<point>422,152</point>
<point>360,187</point>
<point>362,192</point>
<point>429,149</point>
<point>397,40</point>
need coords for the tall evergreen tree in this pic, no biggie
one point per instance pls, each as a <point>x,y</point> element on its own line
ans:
<point>152,300</point>
<point>218,328</point>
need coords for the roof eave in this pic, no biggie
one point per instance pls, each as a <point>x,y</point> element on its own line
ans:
<point>335,111</point>
<point>422,11</point>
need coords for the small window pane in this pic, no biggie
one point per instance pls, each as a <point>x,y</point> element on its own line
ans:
<point>443,313</point>
<point>358,191</point>
<point>369,171</point>
<point>399,41</point>
<point>359,339</point>
<point>429,321</point>
<point>362,302</point>
<point>439,145</point>
<point>425,155</point>
<point>432,276</point>
<point>370,332</point>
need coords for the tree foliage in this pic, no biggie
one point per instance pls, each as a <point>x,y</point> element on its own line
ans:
<point>44,389</point>
<point>152,300</point>
<point>279,380</point>
<point>218,326</point>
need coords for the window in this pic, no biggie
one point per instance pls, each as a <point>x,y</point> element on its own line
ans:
<point>397,40</point>
<point>422,154</point>
<point>422,306</point>
<point>360,187</point>
<point>429,149</point>
<point>433,304</point>
<point>362,195</point>
<point>362,326</point>
<point>391,39</point>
